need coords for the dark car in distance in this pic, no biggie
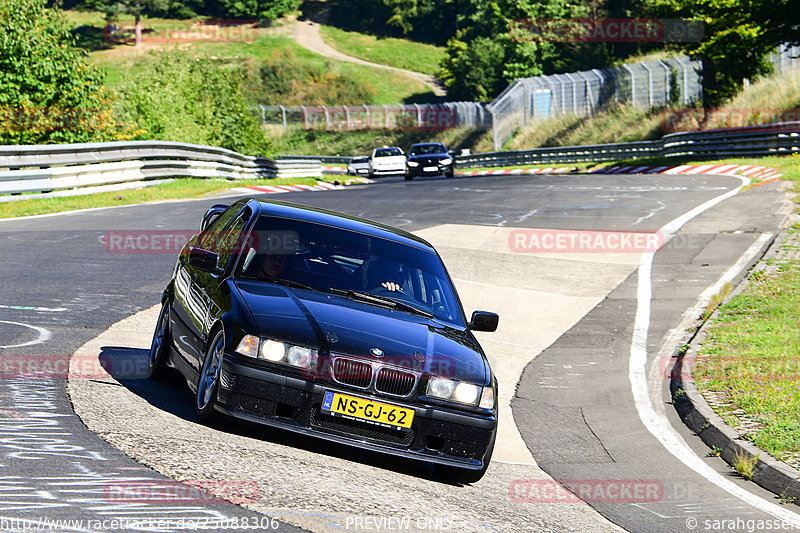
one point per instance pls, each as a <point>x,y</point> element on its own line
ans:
<point>331,326</point>
<point>428,159</point>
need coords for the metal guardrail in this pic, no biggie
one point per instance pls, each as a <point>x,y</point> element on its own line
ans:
<point>330,159</point>
<point>44,168</point>
<point>769,139</point>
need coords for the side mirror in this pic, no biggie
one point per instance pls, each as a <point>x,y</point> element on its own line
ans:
<point>203,259</point>
<point>484,321</point>
<point>212,214</point>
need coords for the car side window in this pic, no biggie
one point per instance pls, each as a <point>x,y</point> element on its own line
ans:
<point>227,243</point>
<point>211,234</point>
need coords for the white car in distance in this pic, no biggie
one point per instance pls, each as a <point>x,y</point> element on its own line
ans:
<point>387,160</point>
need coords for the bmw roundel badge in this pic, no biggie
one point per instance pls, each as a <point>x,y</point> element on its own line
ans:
<point>377,352</point>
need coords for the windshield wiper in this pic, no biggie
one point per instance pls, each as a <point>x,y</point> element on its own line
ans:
<point>290,283</point>
<point>381,300</point>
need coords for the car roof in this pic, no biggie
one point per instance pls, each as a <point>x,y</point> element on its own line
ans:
<point>318,215</point>
<point>427,144</point>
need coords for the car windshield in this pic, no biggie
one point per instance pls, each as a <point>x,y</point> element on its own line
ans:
<point>329,259</point>
<point>388,152</point>
<point>424,149</point>
<point>361,159</point>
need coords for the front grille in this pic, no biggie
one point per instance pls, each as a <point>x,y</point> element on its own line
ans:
<point>396,382</point>
<point>362,430</point>
<point>350,372</point>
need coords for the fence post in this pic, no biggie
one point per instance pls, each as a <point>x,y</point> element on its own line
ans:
<point>386,113</point>
<point>366,114</point>
<point>633,83</point>
<point>283,114</point>
<point>574,93</point>
<point>327,118</point>
<point>263,116</point>
<point>495,144</point>
<point>649,84</point>
<point>668,79</point>
<point>418,114</point>
<point>587,94</point>
<point>305,115</point>
<point>601,90</point>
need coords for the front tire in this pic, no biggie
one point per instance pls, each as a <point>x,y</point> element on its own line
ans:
<point>208,379</point>
<point>159,347</point>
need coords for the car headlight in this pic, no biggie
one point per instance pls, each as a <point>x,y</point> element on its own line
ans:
<point>277,352</point>
<point>460,392</point>
<point>413,164</point>
<point>272,351</point>
<point>445,161</point>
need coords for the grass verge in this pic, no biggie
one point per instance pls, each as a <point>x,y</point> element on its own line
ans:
<point>399,53</point>
<point>179,189</point>
<point>749,360</point>
<point>296,141</point>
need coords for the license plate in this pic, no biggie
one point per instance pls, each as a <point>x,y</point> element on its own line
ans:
<point>430,169</point>
<point>377,413</point>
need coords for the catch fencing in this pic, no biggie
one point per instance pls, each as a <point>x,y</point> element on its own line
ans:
<point>644,85</point>
<point>423,117</point>
<point>786,59</point>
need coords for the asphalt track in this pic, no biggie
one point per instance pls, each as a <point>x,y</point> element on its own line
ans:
<point>575,407</point>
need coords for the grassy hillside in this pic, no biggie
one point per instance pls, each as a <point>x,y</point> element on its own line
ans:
<point>391,51</point>
<point>348,143</point>
<point>121,61</point>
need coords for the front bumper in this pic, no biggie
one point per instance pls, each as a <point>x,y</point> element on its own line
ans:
<point>385,171</point>
<point>429,169</point>
<point>437,435</point>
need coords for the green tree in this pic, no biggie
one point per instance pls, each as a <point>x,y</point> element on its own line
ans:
<point>115,9</point>
<point>491,47</point>
<point>738,37</point>
<point>177,97</point>
<point>266,10</point>
<point>49,93</point>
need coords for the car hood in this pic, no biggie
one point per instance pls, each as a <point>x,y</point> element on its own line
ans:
<point>389,160</point>
<point>429,157</point>
<point>338,325</point>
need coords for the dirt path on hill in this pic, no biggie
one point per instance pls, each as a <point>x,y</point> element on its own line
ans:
<point>307,35</point>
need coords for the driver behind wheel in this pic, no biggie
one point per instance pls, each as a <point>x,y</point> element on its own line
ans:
<point>384,274</point>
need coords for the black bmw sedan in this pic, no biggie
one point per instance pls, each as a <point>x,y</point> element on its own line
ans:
<point>331,326</point>
<point>428,159</point>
